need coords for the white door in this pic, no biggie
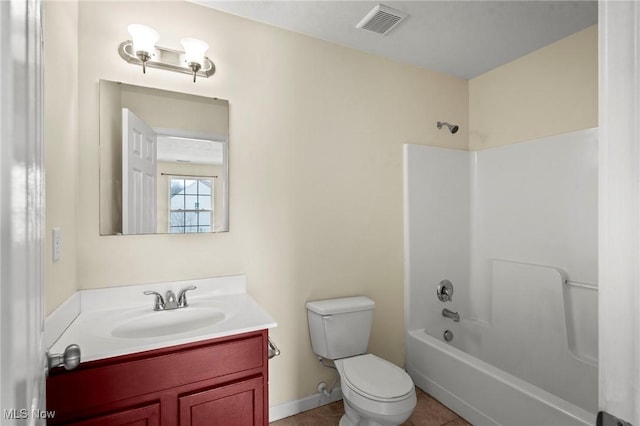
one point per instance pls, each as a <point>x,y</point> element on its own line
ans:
<point>22,352</point>
<point>139,152</point>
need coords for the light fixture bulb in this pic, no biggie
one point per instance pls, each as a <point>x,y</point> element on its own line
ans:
<point>194,53</point>
<point>144,41</point>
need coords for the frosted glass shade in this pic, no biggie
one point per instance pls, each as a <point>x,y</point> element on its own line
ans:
<point>194,50</point>
<point>144,38</point>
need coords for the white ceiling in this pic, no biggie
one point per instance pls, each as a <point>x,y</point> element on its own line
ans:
<point>459,38</point>
<point>173,149</point>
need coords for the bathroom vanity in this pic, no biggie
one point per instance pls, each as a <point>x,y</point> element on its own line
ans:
<point>207,366</point>
<point>216,382</point>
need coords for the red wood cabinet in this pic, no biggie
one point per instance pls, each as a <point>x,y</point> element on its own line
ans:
<point>144,416</point>
<point>215,382</point>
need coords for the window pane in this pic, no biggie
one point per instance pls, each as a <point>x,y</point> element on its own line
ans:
<point>204,202</point>
<point>177,219</point>
<point>176,186</point>
<point>177,230</point>
<point>190,229</point>
<point>190,186</point>
<point>191,202</point>
<point>204,218</point>
<point>177,202</point>
<point>204,187</point>
<point>204,229</point>
<point>191,219</point>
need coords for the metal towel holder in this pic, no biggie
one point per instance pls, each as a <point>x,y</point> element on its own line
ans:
<point>273,349</point>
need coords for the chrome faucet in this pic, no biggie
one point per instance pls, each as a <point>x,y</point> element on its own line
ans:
<point>171,302</point>
<point>450,314</point>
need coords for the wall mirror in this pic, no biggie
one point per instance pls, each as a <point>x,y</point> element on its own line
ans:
<point>164,162</point>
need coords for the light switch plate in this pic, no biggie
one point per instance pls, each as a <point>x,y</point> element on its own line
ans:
<point>57,243</point>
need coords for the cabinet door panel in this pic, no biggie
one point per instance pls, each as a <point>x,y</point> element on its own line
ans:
<point>238,404</point>
<point>144,416</point>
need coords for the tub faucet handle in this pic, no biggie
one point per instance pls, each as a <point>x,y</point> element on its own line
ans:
<point>445,291</point>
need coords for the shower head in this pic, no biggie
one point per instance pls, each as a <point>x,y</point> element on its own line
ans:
<point>452,127</point>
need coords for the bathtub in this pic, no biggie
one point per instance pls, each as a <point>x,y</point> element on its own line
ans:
<point>482,393</point>
<point>514,229</point>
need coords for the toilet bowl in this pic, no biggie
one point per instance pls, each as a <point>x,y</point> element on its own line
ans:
<point>375,392</point>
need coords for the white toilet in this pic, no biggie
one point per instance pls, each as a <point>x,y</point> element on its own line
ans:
<point>375,392</point>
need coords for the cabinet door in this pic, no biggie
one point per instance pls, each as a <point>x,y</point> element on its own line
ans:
<point>148,415</point>
<point>237,404</point>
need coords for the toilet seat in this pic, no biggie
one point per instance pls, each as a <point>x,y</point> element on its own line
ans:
<point>375,378</point>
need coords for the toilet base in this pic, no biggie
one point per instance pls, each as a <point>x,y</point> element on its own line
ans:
<point>353,418</point>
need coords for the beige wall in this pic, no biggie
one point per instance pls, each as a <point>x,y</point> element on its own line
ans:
<point>550,91</point>
<point>110,158</point>
<point>316,134</point>
<point>61,146</point>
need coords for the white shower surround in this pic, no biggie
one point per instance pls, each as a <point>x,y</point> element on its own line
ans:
<point>523,213</point>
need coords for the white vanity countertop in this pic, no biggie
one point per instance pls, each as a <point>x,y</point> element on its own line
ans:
<point>93,321</point>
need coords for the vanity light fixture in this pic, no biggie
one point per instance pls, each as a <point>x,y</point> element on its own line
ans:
<point>194,51</point>
<point>142,50</point>
<point>144,42</point>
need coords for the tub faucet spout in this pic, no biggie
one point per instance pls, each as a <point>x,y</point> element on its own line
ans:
<point>450,314</point>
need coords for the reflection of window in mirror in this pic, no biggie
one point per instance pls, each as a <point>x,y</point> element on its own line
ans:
<point>189,181</point>
<point>191,201</point>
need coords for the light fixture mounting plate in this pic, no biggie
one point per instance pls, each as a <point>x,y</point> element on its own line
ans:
<point>166,59</point>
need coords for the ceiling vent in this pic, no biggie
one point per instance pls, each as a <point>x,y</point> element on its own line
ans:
<point>381,19</point>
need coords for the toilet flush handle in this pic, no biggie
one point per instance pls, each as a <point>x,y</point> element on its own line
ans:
<point>272,349</point>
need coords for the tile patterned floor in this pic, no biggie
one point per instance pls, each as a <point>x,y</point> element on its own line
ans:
<point>428,412</point>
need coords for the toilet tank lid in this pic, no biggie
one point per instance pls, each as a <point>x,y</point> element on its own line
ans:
<point>341,305</point>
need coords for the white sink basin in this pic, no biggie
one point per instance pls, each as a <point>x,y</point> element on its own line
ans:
<point>151,323</point>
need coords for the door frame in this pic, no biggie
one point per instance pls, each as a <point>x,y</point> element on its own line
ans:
<point>619,209</point>
<point>22,348</point>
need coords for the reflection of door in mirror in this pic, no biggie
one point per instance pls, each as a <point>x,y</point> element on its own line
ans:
<point>139,142</point>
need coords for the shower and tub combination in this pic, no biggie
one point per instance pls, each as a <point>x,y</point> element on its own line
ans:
<point>500,279</point>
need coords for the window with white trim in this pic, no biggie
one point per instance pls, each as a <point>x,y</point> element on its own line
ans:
<point>190,205</point>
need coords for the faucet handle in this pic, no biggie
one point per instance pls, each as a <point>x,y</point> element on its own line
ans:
<point>159,300</point>
<point>445,291</point>
<point>182,296</point>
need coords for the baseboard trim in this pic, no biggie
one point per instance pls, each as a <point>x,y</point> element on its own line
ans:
<point>291,408</point>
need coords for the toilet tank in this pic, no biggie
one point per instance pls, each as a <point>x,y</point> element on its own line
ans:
<point>340,328</point>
